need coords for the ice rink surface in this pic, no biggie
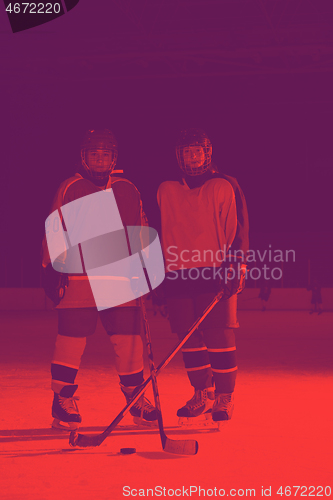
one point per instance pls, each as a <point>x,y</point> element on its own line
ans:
<point>280,433</point>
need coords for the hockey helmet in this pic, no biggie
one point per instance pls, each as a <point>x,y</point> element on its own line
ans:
<point>194,151</point>
<point>99,152</point>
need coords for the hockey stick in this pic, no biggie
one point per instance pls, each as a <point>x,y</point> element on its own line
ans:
<point>180,446</point>
<point>76,439</point>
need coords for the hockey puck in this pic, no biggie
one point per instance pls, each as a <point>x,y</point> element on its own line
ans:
<point>127,451</point>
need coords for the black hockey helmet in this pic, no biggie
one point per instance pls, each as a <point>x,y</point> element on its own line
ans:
<point>193,137</point>
<point>99,140</point>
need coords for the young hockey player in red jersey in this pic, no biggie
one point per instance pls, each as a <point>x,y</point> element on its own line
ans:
<point>72,294</point>
<point>204,228</point>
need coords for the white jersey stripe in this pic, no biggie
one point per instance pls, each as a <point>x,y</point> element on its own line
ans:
<point>197,368</point>
<point>55,362</point>
<point>194,349</point>
<point>130,373</point>
<point>225,371</point>
<point>225,349</point>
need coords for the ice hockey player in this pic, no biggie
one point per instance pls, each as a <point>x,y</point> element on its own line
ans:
<point>204,227</point>
<point>72,295</point>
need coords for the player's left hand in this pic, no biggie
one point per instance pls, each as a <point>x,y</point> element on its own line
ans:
<point>159,302</point>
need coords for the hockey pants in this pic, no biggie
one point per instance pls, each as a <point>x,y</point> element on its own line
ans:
<point>122,324</point>
<point>210,353</point>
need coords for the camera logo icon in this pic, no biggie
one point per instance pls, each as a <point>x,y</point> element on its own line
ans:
<point>87,237</point>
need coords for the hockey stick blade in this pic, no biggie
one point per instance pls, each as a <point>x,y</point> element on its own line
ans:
<point>177,447</point>
<point>84,441</point>
<point>181,446</point>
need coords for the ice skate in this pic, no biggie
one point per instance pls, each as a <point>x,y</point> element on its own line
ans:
<point>198,410</point>
<point>223,408</point>
<point>143,412</point>
<point>65,410</point>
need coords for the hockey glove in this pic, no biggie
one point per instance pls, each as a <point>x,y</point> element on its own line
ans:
<point>233,276</point>
<point>54,284</point>
<point>159,302</point>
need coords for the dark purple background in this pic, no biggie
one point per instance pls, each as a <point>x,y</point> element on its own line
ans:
<point>260,83</point>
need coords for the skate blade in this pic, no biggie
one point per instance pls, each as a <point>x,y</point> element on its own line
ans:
<point>145,423</point>
<point>204,420</point>
<point>221,423</point>
<point>64,426</point>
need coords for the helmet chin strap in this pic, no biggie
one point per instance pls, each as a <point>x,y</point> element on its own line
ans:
<point>107,182</point>
<point>99,180</point>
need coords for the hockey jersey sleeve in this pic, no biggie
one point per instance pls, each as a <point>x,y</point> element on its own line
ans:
<point>57,202</point>
<point>129,203</point>
<point>228,213</point>
<point>241,240</point>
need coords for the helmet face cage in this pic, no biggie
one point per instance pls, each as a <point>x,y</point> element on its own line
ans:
<point>194,137</point>
<point>99,140</point>
<point>195,170</point>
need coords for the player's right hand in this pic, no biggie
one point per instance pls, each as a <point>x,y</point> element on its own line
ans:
<point>54,284</point>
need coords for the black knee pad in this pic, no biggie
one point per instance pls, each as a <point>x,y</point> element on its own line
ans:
<point>122,320</point>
